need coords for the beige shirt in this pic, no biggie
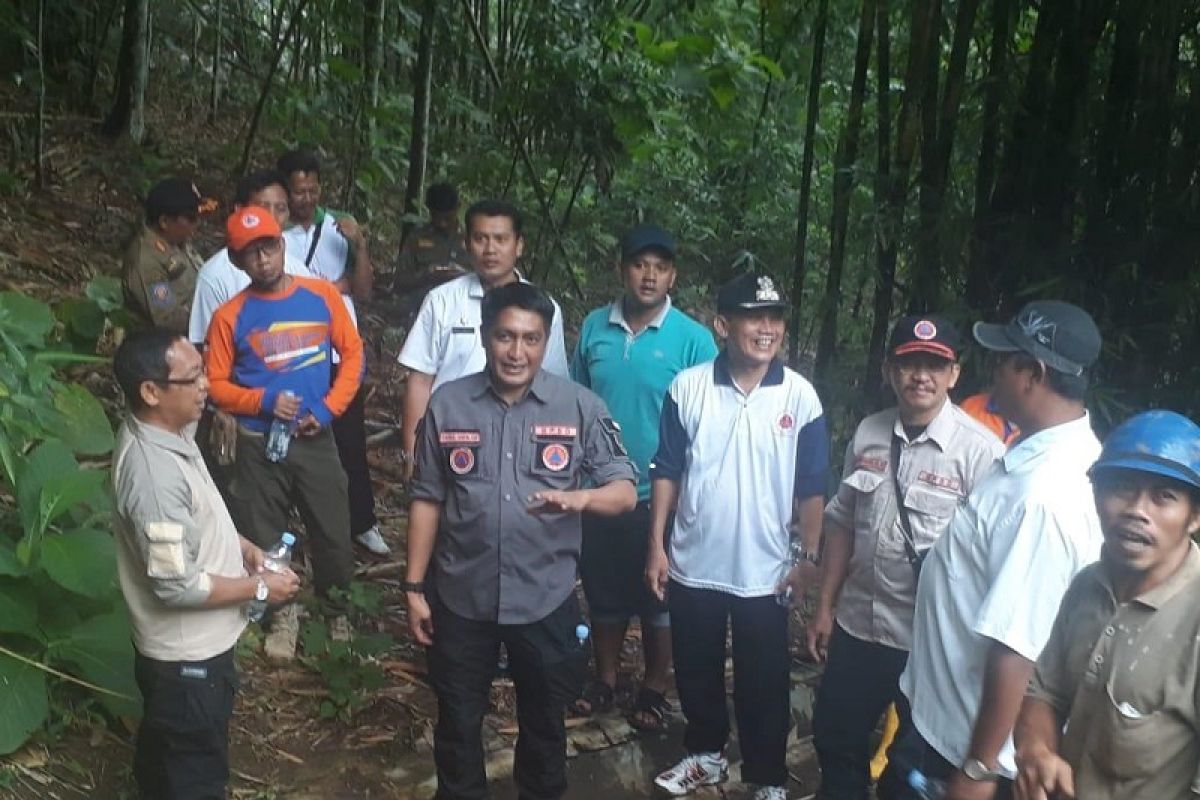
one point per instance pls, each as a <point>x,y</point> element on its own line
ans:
<point>1124,677</point>
<point>937,471</point>
<point>173,533</point>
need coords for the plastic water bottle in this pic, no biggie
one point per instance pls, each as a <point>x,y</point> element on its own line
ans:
<point>276,560</point>
<point>582,632</point>
<point>280,435</point>
<point>926,788</point>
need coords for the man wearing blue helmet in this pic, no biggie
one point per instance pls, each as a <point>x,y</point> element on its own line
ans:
<point>1120,671</point>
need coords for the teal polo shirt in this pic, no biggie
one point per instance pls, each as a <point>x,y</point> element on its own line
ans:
<point>631,372</point>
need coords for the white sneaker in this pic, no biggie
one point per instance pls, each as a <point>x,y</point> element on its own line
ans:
<point>770,793</point>
<point>373,541</point>
<point>694,771</point>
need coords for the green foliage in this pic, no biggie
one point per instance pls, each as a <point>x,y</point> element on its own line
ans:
<point>349,670</point>
<point>61,611</point>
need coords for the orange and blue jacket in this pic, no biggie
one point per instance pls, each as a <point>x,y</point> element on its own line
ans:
<point>261,344</point>
<point>981,407</point>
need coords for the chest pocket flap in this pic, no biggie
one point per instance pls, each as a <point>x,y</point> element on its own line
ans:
<point>864,480</point>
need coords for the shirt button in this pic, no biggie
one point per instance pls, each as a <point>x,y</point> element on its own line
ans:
<point>1110,630</point>
<point>508,456</point>
<point>1099,659</point>
<point>508,498</point>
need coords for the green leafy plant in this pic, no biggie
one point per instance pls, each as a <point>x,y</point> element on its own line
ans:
<point>64,633</point>
<point>349,670</point>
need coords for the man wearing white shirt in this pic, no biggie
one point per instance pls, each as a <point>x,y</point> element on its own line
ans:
<point>219,280</point>
<point>991,586</point>
<point>444,343</point>
<point>333,246</point>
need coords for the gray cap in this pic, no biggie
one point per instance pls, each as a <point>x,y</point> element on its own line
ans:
<point>1062,336</point>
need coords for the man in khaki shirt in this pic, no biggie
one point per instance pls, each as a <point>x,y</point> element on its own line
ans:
<point>185,572</point>
<point>1120,671</point>
<point>933,452</point>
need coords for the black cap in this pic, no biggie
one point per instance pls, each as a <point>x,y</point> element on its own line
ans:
<point>748,292</point>
<point>173,197</point>
<point>925,333</point>
<point>441,197</point>
<point>1062,336</point>
<point>647,237</point>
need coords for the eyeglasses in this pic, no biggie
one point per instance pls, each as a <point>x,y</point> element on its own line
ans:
<point>192,381</point>
<point>264,247</point>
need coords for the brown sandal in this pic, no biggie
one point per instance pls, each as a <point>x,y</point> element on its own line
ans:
<point>650,711</point>
<point>597,698</point>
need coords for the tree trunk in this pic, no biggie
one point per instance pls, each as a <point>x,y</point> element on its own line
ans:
<point>373,19</point>
<point>39,132</point>
<point>885,251</point>
<point>418,149</point>
<point>1006,245</point>
<point>928,281</point>
<point>127,115</point>
<point>980,291</point>
<point>844,164</point>
<point>214,89</point>
<point>256,119</point>
<point>799,264</point>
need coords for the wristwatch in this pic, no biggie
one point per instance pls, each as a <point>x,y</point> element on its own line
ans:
<point>261,591</point>
<point>979,772</point>
<point>800,555</point>
<point>417,587</point>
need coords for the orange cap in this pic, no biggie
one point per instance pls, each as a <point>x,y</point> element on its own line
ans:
<point>248,224</point>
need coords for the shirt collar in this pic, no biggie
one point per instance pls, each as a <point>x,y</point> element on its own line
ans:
<point>538,390</point>
<point>721,376</point>
<point>183,445</point>
<point>940,429</point>
<point>1160,595</point>
<point>1031,448</point>
<point>616,314</point>
<point>475,286</point>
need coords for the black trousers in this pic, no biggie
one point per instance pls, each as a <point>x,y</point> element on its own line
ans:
<point>547,667</point>
<point>182,750</point>
<point>912,752</point>
<point>350,433</point>
<point>761,676</point>
<point>860,680</point>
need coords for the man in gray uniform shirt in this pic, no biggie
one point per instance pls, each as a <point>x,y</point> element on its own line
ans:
<point>494,538</point>
<point>184,570</point>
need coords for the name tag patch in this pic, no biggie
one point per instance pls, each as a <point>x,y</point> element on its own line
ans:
<point>556,431</point>
<point>462,329</point>
<point>556,457</point>
<point>459,437</point>
<point>940,481</point>
<point>462,460</point>
<point>872,464</point>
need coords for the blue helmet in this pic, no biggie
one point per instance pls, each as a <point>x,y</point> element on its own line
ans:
<point>1161,442</point>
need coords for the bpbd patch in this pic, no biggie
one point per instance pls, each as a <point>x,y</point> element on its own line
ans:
<point>555,457</point>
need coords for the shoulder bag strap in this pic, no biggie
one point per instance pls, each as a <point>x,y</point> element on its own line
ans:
<point>910,546</point>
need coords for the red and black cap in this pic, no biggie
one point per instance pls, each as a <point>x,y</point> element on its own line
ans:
<point>925,333</point>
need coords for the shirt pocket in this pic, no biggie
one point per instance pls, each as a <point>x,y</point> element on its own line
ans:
<point>1135,743</point>
<point>929,512</point>
<point>165,554</point>
<point>869,503</point>
<point>551,460</point>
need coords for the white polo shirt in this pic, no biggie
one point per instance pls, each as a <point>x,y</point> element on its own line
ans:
<point>219,280</point>
<point>999,574</point>
<point>741,460</point>
<point>445,340</point>
<point>332,255</point>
